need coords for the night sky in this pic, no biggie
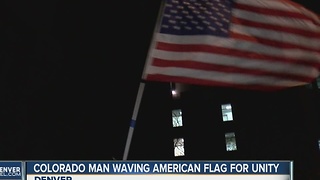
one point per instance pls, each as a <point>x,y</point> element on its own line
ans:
<point>70,72</point>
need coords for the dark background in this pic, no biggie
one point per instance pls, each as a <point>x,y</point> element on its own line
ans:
<point>70,72</point>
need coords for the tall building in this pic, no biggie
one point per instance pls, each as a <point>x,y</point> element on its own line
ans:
<point>209,123</point>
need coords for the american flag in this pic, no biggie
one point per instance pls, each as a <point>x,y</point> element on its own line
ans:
<point>254,44</point>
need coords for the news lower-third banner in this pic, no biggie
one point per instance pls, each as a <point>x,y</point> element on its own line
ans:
<point>146,170</point>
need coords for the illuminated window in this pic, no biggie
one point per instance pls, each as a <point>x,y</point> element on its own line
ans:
<point>177,118</point>
<point>178,144</point>
<point>319,143</point>
<point>231,144</point>
<point>226,112</point>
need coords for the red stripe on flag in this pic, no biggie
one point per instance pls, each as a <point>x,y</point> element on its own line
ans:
<point>189,64</point>
<point>272,12</point>
<point>232,52</point>
<point>262,25</point>
<point>269,42</point>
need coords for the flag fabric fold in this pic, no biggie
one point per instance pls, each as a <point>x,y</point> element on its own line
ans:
<point>252,44</point>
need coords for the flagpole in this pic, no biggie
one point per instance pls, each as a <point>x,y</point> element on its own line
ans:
<point>140,90</point>
<point>133,119</point>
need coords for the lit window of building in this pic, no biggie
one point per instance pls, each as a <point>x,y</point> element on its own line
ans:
<point>177,118</point>
<point>178,144</point>
<point>231,144</point>
<point>226,112</point>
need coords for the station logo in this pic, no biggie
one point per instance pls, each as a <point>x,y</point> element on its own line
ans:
<point>10,170</point>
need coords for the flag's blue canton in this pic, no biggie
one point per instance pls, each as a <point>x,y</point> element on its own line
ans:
<point>196,17</point>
